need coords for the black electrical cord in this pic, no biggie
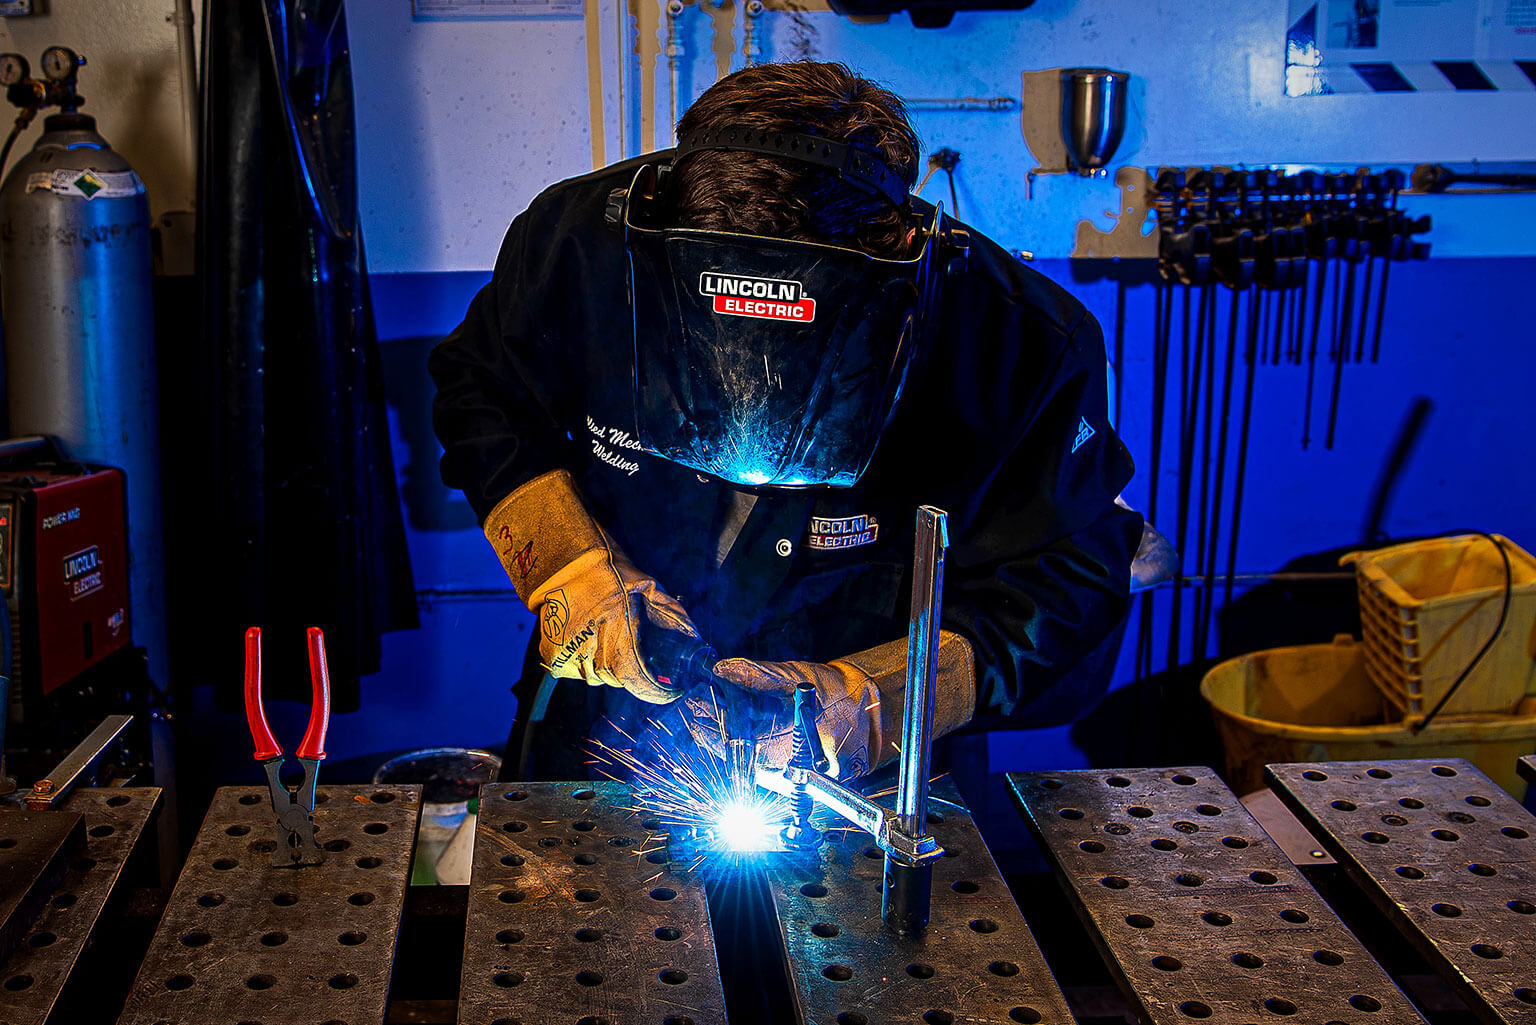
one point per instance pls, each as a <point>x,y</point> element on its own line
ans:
<point>1509,586</point>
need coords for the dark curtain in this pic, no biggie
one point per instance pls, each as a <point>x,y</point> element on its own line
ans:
<point>304,522</point>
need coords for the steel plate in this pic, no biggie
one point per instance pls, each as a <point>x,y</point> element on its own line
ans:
<point>1528,768</point>
<point>976,962</point>
<point>32,981</point>
<point>245,941</point>
<point>569,923</point>
<point>1197,911</point>
<point>1446,854</point>
<point>36,848</point>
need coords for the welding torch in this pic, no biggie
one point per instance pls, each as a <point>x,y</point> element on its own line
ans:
<point>686,663</point>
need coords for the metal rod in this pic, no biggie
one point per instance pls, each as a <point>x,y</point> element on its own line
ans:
<point>922,667</point>
<point>80,762</point>
<point>1189,387</point>
<point>1242,444</point>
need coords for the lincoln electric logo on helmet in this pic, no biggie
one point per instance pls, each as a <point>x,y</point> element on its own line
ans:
<point>765,298</point>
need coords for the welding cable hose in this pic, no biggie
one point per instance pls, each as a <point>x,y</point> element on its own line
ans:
<point>863,698</point>
<point>588,597</point>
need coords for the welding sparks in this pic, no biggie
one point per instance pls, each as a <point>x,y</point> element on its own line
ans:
<point>706,804</point>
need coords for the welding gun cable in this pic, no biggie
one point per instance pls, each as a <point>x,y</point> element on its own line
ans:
<point>1386,267</point>
<point>1209,333</point>
<point>1161,297</point>
<point>1298,299</point>
<point>1189,405</point>
<point>1381,307</point>
<point>1342,347</point>
<point>1208,594</point>
<point>1317,323</point>
<point>1365,303</point>
<point>1242,449</point>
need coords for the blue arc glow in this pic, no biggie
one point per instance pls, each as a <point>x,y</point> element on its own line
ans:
<point>746,825</point>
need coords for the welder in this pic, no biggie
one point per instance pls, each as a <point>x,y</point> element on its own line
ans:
<point>705,392</point>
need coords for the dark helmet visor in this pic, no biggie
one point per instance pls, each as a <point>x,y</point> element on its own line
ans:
<point>765,362</point>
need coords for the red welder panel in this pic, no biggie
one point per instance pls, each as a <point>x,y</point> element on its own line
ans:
<point>82,574</point>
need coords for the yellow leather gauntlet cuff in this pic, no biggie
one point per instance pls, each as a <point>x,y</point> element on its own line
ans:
<point>885,669</point>
<point>540,529</point>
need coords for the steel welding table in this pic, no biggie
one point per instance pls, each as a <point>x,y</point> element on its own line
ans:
<point>580,912</point>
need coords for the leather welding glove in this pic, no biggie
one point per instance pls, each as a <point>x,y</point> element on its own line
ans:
<point>862,700</point>
<point>587,595</point>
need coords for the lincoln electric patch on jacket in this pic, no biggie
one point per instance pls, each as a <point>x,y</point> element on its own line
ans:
<point>767,298</point>
<point>844,532</point>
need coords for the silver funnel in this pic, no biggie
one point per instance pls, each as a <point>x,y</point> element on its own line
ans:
<point>1092,115</point>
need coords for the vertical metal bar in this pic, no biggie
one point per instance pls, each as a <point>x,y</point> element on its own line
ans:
<point>922,666</point>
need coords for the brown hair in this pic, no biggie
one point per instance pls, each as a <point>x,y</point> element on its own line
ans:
<point>757,194</point>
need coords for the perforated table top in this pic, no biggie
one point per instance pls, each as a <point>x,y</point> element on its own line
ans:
<point>244,941</point>
<point>1198,912</point>
<point>1446,854</point>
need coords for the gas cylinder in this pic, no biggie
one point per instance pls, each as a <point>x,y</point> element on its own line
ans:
<point>78,315</point>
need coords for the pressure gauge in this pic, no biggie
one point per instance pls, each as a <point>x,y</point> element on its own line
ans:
<point>60,63</point>
<point>13,68</point>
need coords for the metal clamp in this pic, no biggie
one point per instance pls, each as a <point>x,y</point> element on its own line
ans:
<point>902,834</point>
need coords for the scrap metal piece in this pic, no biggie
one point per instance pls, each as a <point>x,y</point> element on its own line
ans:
<point>36,848</point>
<point>268,944</point>
<point>976,962</point>
<point>1198,913</point>
<point>575,905</point>
<point>1448,856</point>
<point>36,975</point>
<point>79,764</point>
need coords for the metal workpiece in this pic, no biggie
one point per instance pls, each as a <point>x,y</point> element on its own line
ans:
<point>78,767</point>
<point>1527,768</point>
<point>245,941</point>
<point>1448,856</point>
<point>34,979</point>
<point>854,809</point>
<point>579,916</point>
<point>976,962</point>
<point>1199,914</point>
<point>36,848</point>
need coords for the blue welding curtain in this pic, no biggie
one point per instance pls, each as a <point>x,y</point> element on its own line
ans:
<point>305,504</point>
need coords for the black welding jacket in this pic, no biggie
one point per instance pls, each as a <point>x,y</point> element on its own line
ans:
<point>1003,424</point>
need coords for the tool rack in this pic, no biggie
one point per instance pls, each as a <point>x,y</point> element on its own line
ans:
<point>582,910</point>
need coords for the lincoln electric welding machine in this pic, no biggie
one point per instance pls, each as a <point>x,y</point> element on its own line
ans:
<point>63,570</point>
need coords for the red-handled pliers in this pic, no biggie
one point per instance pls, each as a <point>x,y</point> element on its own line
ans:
<point>294,807</point>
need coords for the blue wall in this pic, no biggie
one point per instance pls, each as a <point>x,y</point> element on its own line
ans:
<point>1453,334</point>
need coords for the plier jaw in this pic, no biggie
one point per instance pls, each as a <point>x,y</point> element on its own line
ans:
<point>294,807</point>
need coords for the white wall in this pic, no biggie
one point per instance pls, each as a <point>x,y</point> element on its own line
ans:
<point>462,122</point>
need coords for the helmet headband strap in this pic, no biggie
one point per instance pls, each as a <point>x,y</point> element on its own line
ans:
<point>860,166</point>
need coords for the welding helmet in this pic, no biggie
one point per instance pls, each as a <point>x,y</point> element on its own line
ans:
<point>765,362</point>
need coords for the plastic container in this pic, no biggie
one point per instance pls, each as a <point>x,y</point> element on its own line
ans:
<point>1427,607</point>
<point>1314,703</point>
<point>449,776</point>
